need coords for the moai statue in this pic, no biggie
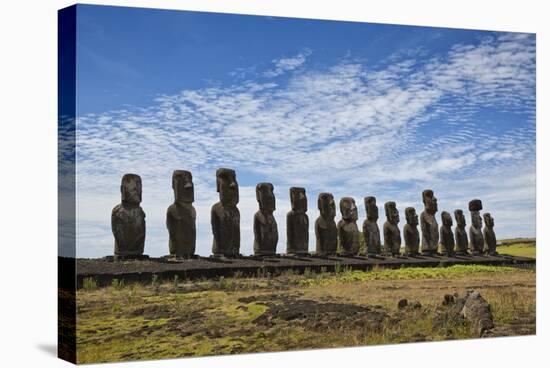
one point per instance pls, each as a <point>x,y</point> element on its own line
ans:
<point>410,232</point>
<point>392,235</point>
<point>489,234</point>
<point>297,223</point>
<point>371,232</point>
<point>225,216</point>
<point>446,234</point>
<point>461,236</point>
<point>325,227</point>
<point>428,223</point>
<point>348,233</point>
<point>181,216</point>
<point>476,236</point>
<point>128,219</point>
<point>266,235</point>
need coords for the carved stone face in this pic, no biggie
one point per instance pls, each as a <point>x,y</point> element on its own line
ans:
<point>460,219</point>
<point>182,183</point>
<point>327,206</point>
<point>130,189</point>
<point>371,208</point>
<point>265,196</point>
<point>430,201</point>
<point>392,214</point>
<point>298,199</point>
<point>446,218</point>
<point>411,216</point>
<point>227,186</point>
<point>489,220</point>
<point>476,220</point>
<point>348,209</point>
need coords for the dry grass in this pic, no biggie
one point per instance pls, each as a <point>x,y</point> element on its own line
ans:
<point>183,318</point>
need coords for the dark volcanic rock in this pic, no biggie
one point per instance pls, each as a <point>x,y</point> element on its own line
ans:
<point>470,307</point>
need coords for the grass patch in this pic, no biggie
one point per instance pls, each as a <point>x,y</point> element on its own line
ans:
<point>520,249</point>
<point>408,273</point>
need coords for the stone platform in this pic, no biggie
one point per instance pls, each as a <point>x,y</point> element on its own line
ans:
<point>104,270</point>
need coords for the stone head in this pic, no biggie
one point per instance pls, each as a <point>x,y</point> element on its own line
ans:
<point>298,199</point>
<point>182,183</point>
<point>326,205</point>
<point>371,208</point>
<point>265,196</point>
<point>460,219</point>
<point>411,216</point>
<point>392,214</point>
<point>227,186</point>
<point>348,209</point>
<point>130,189</point>
<point>430,201</point>
<point>489,220</point>
<point>475,205</point>
<point>446,219</point>
<point>476,219</point>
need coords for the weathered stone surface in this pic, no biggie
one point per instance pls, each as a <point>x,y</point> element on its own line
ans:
<point>266,234</point>
<point>461,236</point>
<point>475,233</point>
<point>325,227</point>
<point>470,307</point>
<point>181,216</point>
<point>392,235</point>
<point>428,223</point>
<point>297,223</point>
<point>489,234</point>
<point>225,216</point>
<point>371,232</point>
<point>446,234</point>
<point>478,312</point>
<point>410,232</point>
<point>128,219</point>
<point>348,232</point>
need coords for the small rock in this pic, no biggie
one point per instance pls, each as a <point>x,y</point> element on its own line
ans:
<point>448,299</point>
<point>417,305</point>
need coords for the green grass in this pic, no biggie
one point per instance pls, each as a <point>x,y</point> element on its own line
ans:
<point>521,249</point>
<point>408,273</point>
<point>167,319</point>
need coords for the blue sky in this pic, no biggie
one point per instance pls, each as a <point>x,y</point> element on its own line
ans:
<point>355,109</point>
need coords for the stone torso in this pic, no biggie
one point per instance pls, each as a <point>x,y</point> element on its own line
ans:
<point>226,230</point>
<point>371,232</point>
<point>461,239</point>
<point>266,234</point>
<point>392,238</point>
<point>348,233</point>
<point>447,239</point>
<point>326,234</point>
<point>412,239</point>
<point>430,233</point>
<point>128,225</point>
<point>490,239</point>
<point>476,240</point>
<point>180,221</point>
<point>297,232</point>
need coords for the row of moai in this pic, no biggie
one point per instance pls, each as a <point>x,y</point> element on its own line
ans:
<point>128,224</point>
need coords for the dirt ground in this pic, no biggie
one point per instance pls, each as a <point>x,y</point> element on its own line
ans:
<point>290,312</point>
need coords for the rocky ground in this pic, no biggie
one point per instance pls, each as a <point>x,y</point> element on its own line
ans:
<point>313,310</point>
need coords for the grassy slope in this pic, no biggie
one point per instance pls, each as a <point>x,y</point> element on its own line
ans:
<point>518,247</point>
<point>211,317</point>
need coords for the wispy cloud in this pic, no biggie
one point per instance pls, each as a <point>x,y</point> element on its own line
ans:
<point>283,65</point>
<point>349,128</point>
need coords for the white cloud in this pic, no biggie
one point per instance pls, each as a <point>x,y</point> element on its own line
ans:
<point>283,65</point>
